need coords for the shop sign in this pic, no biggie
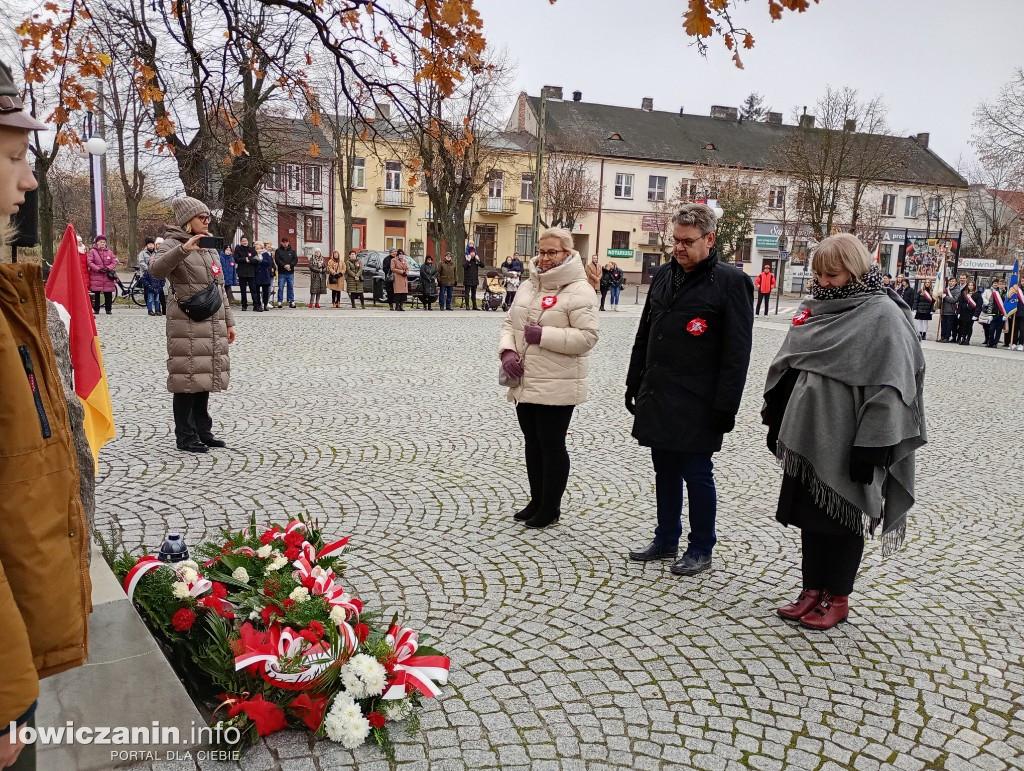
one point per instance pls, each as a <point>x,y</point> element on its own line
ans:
<point>766,242</point>
<point>620,253</point>
<point>976,264</point>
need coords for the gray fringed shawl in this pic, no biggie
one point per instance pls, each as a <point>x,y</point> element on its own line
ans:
<point>861,383</point>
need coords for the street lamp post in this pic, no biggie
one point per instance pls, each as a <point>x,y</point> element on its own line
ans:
<point>96,147</point>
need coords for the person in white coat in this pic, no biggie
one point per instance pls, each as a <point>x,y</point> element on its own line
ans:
<point>545,343</point>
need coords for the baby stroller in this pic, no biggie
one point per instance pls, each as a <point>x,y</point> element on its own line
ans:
<point>494,291</point>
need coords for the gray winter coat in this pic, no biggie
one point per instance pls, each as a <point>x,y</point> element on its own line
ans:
<point>197,351</point>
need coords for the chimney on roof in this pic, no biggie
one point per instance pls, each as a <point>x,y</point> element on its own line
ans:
<point>725,113</point>
<point>381,111</point>
<point>551,92</point>
<point>577,96</point>
<point>775,117</point>
<point>850,125</point>
<point>647,104</point>
<point>806,121</point>
<point>922,139</point>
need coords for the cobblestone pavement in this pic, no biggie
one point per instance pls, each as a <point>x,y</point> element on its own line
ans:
<point>565,655</point>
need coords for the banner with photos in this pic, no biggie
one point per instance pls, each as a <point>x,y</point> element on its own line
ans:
<point>925,255</point>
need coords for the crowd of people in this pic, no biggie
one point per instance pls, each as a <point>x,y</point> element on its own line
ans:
<point>960,306</point>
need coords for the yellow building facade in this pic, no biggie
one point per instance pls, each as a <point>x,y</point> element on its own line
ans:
<point>389,213</point>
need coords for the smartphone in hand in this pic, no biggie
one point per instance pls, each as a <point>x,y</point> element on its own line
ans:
<point>211,242</point>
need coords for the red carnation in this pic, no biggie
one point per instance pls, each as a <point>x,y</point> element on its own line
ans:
<point>268,537</point>
<point>294,538</point>
<point>267,716</point>
<point>183,619</point>
<point>219,590</point>
<point>316,628</point>
<point>376,719</point>
<point>288,603</point>
<point>309,582</point>
<point>292,553</point>
<point>265,614</point>
<point>362,631</point>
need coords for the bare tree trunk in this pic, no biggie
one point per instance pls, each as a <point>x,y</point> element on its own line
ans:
<point>45,198</point>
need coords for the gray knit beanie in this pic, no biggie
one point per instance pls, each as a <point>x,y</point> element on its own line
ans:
<point>186,208</point>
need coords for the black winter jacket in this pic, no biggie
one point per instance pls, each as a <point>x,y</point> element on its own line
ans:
<point>285,256</point>
<point>246,259</point>
<point>690,358</point>
<point>922,306</point>
<point>471,272</point>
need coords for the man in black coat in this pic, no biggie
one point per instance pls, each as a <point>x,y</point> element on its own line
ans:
<point>286,260</point>
<point>471,277</point>
<point>685,381</point>
<point>245,266</point>
<point>389,279</point>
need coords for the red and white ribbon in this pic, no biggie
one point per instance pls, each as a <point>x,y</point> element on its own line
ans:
<point>412,672</point>
<point>145,565</point>
<point>997,303</point>
<point>332,549</point>
<point>289,647</point>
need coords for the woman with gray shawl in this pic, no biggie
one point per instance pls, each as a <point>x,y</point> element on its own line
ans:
<point>845,412</point>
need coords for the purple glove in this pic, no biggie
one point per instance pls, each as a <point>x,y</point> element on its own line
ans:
<point>532,333</point>
<point>512,364</point>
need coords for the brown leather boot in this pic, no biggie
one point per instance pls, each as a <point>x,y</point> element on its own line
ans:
<point>801,605</point>
<point>829,611</point>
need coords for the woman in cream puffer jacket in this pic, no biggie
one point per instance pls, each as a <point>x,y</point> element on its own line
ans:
<point>545,342</point>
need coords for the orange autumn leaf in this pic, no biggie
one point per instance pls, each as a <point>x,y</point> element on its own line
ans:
<point>237,148</point>
<point>697,21</point>
<point>748,41</point>
<point>314,149</point>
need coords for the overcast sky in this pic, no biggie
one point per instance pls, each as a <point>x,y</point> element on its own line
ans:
<point>931,60</point>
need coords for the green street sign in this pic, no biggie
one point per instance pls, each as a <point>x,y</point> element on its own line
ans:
<point>620,252</point>
<point>766,242</point>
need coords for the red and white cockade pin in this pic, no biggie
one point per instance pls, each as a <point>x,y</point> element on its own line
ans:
<point>801,317</point>
<point>697,327</point>
<point>548,301</point>
<point>215,267</point>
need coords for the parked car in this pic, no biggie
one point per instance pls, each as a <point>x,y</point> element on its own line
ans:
<point>373,268</point>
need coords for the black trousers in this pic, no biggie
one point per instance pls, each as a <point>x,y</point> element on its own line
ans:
<point>470,295</point>
<point>108,301</point>
<point>547,460</point>
<point>192,416</point>
<point>250,283</point>
<point>767,299</point>
<point>264,292</point>
<point>831,561</point>
<point>389,293</point>
<point>335,296</point>
<point>604,294</point>
<point>353,296</point>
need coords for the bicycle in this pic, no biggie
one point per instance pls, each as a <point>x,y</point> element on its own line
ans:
<point>135,289</point>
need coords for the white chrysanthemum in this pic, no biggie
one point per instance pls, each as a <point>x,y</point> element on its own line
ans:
<point>191,564</point>
<point>363,676</point>
<point>338,616</point>
<point>341,699</point>
<point>334,726</point>
<point>277,563</point>
<point>180,589</point>
<point>188,575</point>
<point>241,574</point>
<point>397,710</point>
<point>299,594</point>
<point>355,733</point>
<point>264,551</point>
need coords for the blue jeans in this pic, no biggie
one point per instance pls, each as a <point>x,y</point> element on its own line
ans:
<point>283,280</point>
<point>445,298</point>
<point>671,470</point>
<point>615,294</point>
<point>152,301</point>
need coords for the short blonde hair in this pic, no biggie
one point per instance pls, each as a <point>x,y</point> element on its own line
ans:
<point>843,251</point>
<point>563,235</point>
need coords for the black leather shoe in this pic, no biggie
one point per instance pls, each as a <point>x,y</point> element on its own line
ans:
<point>212,441</point>
<point>538,521</point>
<point>526,513</point>
<point>654,551</point>
<point>193,446</point>
<point>691,564</point>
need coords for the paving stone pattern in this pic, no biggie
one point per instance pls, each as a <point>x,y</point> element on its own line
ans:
<point>565,655</point>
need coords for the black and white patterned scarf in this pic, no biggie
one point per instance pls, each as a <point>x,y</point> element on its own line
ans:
<point>869,282</point>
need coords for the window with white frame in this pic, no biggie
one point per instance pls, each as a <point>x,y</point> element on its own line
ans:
<point>934,207</point>
<point>358,174</point>
<point>524,239</point>
<point>911,205</point>
<point>295,178</point>
<point>777,197</point>
<point>623,185</point>
<point>312,178</point>
<point>275,180</point>
<point>526,191</point>
<point>393,176</point>
<point>495,184</point>
<point>889,205</point>
<point>656,187</point>
<point>688,190</point>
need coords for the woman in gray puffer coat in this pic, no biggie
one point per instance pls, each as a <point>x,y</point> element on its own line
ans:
<point>197,351</point>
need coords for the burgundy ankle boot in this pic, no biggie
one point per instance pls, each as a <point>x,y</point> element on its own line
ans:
<point>829,611</point>
<point>801,605</point>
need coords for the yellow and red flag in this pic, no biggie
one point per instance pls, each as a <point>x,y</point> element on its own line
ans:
<point>66,288</point>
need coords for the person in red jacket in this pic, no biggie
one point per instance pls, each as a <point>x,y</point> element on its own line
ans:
<point>764,283</point>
